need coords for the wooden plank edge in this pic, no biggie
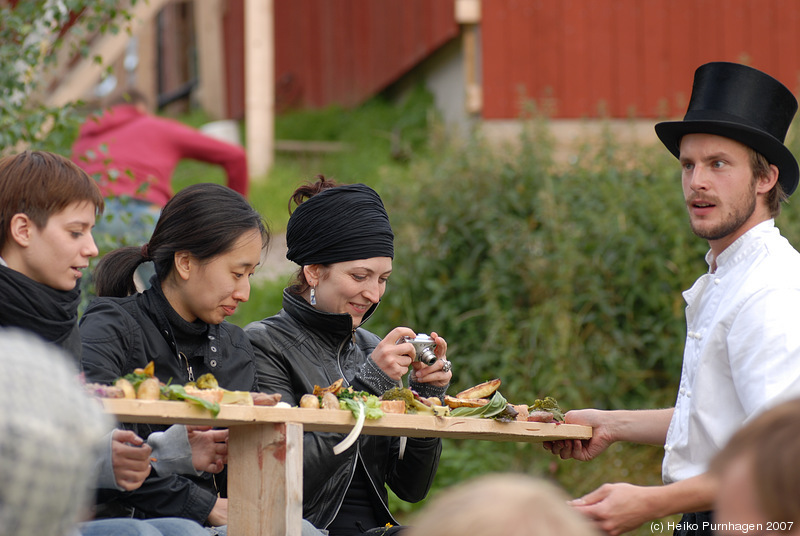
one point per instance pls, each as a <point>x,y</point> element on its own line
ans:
<point>318,420</point>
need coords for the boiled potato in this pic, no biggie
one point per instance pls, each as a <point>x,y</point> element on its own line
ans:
<point>309,401</point>
<point>149,389</point>
<point>127,388</point>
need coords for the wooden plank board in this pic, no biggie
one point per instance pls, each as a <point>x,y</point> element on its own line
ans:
<point>265,488</point>
<point>318,420</point>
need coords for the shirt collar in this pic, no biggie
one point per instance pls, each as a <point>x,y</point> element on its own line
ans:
<point>763,228</point>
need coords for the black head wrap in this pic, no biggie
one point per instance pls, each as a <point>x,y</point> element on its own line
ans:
<point>339,224</point>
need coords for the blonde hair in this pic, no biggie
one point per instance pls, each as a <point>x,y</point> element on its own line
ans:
<point>503,503</point>
<point>770,443</point>
<point>760,167</point>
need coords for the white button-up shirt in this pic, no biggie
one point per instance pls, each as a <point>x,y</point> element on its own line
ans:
<point>742,351</point>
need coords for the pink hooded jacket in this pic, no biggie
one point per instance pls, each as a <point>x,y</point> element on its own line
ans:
<point>135,153</point>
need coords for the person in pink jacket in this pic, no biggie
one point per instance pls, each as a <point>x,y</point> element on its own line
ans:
<point>133,154</point>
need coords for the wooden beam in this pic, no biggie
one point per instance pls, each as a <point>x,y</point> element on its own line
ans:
<point>210,57</point>
<point>146,80</point>
<point>472,83</point>
<point>259,52</point>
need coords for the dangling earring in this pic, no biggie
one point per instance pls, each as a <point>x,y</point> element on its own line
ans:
<point>313,295</point>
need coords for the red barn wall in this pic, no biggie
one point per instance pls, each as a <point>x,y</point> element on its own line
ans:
<point>626,58</point>
<point>339,51</point>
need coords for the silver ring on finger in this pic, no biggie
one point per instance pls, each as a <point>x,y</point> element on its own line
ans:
<point>447,365</point>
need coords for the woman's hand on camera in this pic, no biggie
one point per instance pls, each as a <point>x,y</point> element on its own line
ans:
<point>393,358</point>
<point>439,373</point>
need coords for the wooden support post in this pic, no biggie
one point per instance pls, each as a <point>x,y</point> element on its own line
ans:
<point>468,14</point>
<point>147,69</point>
<point>265,480</point>
<point>259,86</point>
<point>210,57</point>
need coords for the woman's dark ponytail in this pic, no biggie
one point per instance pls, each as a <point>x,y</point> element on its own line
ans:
<point>114,273</point>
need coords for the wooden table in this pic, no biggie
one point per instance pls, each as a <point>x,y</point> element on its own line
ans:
<point>265,449</point>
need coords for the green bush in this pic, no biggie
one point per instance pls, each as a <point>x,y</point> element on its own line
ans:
<point>562,280</point>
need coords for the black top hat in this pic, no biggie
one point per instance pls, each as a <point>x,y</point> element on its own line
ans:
<point>744,104</point>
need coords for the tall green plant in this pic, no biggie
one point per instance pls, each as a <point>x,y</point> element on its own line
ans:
<point>31,34</point>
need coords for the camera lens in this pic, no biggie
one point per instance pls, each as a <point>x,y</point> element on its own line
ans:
<point>427,356</point>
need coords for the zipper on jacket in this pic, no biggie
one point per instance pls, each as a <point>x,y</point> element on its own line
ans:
<point>375,491</point>
<point>189,370</point>
<point>349,481</point>
<point>339,360</point>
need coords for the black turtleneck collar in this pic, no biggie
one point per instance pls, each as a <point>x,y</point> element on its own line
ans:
<point>333,324</point>
<point>188,335</point>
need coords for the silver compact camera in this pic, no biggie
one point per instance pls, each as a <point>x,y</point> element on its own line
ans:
<point>423,345</point>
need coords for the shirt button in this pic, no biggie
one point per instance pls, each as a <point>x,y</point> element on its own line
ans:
<point>213,348</point>
<point>210,337</point>
<point>667,448</point>
<point>688,394</point>
<point>213,363</point>
<point>682,391</point>
<point>717,281</point>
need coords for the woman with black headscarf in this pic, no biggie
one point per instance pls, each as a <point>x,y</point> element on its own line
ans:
<point>342,240</point>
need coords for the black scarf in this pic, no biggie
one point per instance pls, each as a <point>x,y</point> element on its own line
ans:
<point>52,314</point>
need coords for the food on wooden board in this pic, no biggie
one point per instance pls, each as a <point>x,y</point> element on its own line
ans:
<point>484,400</point>
<point>415,403</point>
<point>142,384</point>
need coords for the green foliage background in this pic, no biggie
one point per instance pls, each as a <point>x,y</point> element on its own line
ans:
<point>562,279</point>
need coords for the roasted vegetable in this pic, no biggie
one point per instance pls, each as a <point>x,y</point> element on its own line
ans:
<point>498,408</point>
<point>482,390</point>
<point>309,401</point>
<point>329,401</point>
<point>127,388</point>
<point>454,402</point>
<point>547,404</point>
<point>177,392</point>
<point>407,395</point>
<point>149,389</point>
<point>207,381</point>
<point>335,388</point>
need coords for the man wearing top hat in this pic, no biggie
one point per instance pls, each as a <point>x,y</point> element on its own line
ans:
<point>742,350</point>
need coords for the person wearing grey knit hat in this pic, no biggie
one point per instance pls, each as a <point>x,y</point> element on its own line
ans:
<point>50,435</point>
<point>341,238</point>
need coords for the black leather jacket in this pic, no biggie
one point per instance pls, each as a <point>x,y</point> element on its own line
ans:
<point>301,347</point>
<point>122,334</point>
